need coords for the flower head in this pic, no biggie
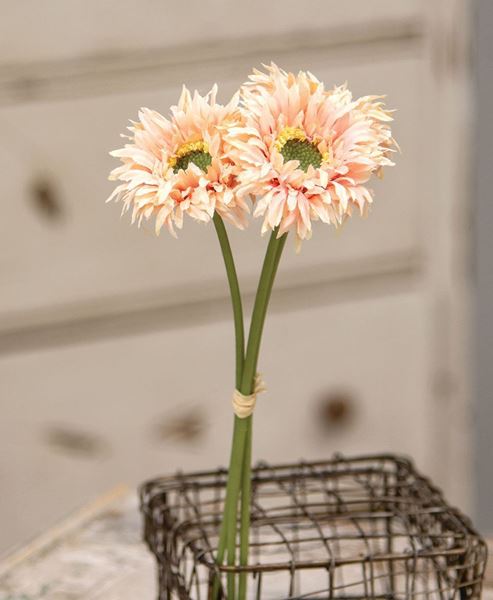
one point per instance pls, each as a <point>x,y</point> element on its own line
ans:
<point>305,153</point>
<point>177,166</point>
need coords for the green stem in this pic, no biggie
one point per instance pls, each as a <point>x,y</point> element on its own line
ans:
<point>232,493</point>
<point>266,282</point>
<point>246,499</point>
<point>269,269</point>
<point>234,289</point>
<point>236,448</point>
<point>239,475</point>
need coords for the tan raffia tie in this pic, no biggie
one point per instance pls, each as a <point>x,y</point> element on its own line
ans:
<point>244,405</point>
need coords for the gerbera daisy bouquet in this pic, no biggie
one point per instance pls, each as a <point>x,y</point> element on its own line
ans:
<point>284,149</point>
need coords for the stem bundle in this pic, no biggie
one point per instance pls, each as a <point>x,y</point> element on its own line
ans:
<point>239,474</point>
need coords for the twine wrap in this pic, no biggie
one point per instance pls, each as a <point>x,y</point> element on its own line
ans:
<point>244,405</point>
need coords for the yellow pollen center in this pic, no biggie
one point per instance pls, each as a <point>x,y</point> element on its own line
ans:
<point>186,149</point>
<point>294,144</point>
<point>289,133</point>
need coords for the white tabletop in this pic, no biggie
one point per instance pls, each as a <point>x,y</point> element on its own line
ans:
<point>96,554</point>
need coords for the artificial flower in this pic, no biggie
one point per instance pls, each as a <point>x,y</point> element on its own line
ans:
<point>304,153</point>
<point>177,166</point>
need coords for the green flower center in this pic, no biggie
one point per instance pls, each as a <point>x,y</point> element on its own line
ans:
<point>304,151</point>
<point>198,157</point>
<point>196,152</point>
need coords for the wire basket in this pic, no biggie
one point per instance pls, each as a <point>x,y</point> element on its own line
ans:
<point>348,528</point>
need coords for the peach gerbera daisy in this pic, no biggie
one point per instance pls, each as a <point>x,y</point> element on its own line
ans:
<point>177,166</point>
<point>305,153</point>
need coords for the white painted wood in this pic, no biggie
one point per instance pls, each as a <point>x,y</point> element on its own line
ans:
<point>482,328</point>
<point>448,237</point>
<point>73,29</point>
<point>404,357</point>
<point>90,256</point>
<point>123,392</point>
<point>150,69</point>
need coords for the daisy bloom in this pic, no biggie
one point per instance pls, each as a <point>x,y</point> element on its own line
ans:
<point>305,153</point>
<point>177,166</point>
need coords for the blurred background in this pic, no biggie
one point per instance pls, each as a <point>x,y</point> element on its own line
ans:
<point>116,347</point>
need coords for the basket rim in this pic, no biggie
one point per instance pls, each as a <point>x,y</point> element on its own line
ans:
<point>176,480</point>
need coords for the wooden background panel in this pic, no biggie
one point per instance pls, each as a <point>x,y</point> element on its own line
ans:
<point>87,254</point>
<point>81,419</point>
<point>75,29</point>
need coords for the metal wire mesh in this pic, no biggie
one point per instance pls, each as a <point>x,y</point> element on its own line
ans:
<point>365,527</point>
